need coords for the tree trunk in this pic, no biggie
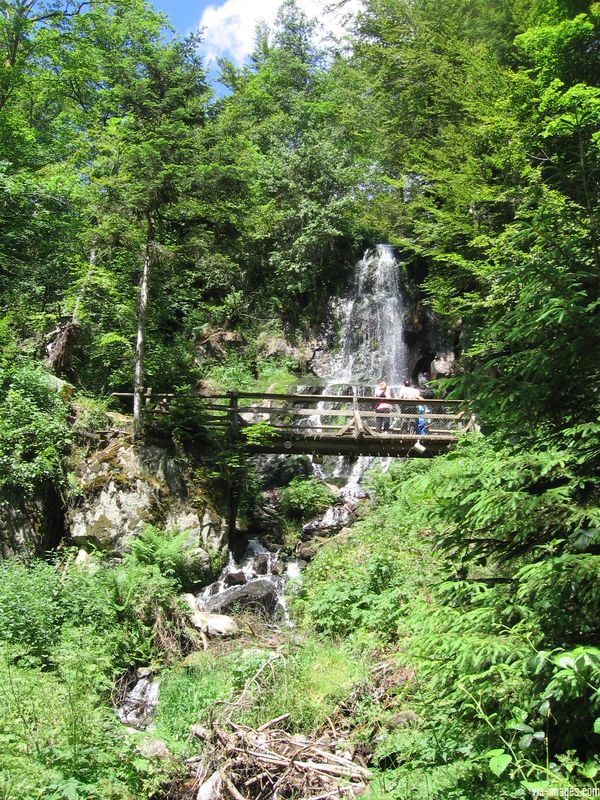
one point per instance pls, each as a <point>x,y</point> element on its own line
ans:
<point>138,375</point>
<point>61,342</point>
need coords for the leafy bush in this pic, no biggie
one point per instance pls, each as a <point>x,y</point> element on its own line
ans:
<point>122,604</point>
<point>496,626</point>
<point>304,498</point>
<point>34,434</point>
<point>64,634</point>
<point>171,551</point>
<point>58,738</point>
<point>31,608</point>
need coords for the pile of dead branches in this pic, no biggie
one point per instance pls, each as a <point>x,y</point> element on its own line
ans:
<point>268,762</point>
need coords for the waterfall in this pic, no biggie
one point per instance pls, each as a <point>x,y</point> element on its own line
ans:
<point>371,348</point>
<point>371,316</point>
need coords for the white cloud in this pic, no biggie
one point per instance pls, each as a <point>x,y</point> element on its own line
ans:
<point>229,28</point>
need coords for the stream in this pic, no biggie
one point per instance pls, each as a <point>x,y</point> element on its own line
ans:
<point>370,319</point>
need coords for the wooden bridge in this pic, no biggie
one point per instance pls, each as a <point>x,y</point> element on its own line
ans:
<point>336,424</point>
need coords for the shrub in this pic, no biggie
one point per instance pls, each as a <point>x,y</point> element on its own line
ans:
<point>31,608</point>
<point>34,434</point>
<point>171,551</point>
<point>304,498</point>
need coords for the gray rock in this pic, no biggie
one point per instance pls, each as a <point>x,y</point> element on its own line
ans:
<point>261,564</point>
<point>215,624</point>
<point>123,488</point>
<point>154,749</point>
<point>235,578</point>
<point>305,551</point>
<point>276,471</point>
<point>259,591</point>
<point>190,600</point>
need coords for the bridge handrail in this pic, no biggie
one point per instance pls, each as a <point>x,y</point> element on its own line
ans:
<point>278,396</point>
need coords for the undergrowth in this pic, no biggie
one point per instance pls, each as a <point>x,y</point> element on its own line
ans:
<point>66,634</point>
<point>478,571</point>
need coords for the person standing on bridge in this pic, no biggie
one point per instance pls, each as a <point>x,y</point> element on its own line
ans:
<point>382,409</point>
<point>408,392</point>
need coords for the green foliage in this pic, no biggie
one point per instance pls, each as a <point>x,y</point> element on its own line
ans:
<point>173,552</point>
<point>258,433</point>
<point>65,634</point>
<point>303,498</point>
<point>494,628</point>
<point>30,607</point>
<point>34,434</point>
<point>187,694</point>
<point>307,682</point>
<point>121,603</point>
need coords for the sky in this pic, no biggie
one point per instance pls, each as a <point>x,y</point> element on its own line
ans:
<point>229,24</point>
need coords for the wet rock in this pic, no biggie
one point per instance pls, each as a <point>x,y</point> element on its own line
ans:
<point>261,564</point>
<point>305,552</point>
<point>335,518</point>
<point>277,568</point>
<point>259,591</point>
<point>237,578</point>
<point>139,704</point>
<point>266,518</point>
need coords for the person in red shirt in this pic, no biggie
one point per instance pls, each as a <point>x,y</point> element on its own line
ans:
<point>382,408</point>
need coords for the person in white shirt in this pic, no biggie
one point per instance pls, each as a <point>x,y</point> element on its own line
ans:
<point>408,392</point>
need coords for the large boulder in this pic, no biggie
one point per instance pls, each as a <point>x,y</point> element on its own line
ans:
<point>215,624</point>
<point>123,488</point>
<point>257,593</point>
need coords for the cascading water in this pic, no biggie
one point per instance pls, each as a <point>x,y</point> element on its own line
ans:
<point>371,316</point>
<point>372,348</point>
<point>259,576</point>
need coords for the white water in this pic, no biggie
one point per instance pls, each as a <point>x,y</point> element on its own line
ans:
<point>138,705</point>
<point>372,348</point>
<point>371,319</point>
<point>259,575</point>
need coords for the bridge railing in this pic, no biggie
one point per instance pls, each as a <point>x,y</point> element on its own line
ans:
<point>321,416</point>
<point>335,415</point>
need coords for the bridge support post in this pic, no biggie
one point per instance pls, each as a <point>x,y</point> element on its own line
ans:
<point>233,493</point>
<point>233,501</point>
<point>233,413</point>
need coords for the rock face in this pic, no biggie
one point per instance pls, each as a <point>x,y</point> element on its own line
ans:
<point>123,488</point>
<point>30,525</point>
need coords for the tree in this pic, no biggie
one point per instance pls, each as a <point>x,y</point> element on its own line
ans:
<point>146,167</point>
